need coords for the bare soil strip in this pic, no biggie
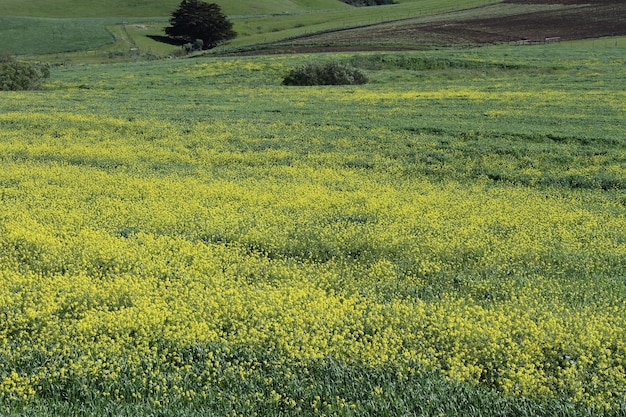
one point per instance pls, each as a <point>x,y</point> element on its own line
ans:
<point>567,20</point>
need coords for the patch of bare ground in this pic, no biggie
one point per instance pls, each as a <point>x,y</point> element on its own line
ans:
<point>563,20</point>
<point>580,21</point>
<point>563,1</point>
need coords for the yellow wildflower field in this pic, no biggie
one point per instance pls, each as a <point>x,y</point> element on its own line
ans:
<point>162,234</point>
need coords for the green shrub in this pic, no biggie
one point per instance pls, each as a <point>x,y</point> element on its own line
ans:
<point>15,75</point>
<point>330,73</point>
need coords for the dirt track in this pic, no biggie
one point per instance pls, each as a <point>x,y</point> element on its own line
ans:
<point>567,20</point>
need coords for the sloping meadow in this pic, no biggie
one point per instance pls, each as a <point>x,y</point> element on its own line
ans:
<point>192,236</point>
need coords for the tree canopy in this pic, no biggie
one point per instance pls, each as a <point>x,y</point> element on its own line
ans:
<point>195,19</point>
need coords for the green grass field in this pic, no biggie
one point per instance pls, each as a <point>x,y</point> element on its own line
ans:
<point>46,35</point>
<point>96,32</point>
<point>150,8</point>
<point>190,237</point>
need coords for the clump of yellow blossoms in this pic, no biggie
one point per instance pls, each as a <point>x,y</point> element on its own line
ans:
<point>152,259</point>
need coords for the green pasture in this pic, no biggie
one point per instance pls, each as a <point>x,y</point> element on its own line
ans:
<point>68,9</point>
<point>616,41</point>
<point>376,198</point>
<point>101,30</point>
<point>35,36</point>
<point>150,8</point>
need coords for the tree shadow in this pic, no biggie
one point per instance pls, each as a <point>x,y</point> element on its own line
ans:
<point>167,40</point>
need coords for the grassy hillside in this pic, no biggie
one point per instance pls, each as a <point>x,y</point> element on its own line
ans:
<point>52,27</point>
<point>118,31</point>
<point>36,36</point>
<point>152,8</point>
<point>267,29</point>
<point>63,28</point>
<point>190,237</point>
<point>87,8</point>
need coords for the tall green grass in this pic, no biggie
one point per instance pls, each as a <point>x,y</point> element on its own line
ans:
<point>327,384</point>
<point>544,122</point>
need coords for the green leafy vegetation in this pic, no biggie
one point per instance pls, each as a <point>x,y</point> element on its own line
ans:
<point>16,75</point>
<point>191,237</point>
<point>327,73</point>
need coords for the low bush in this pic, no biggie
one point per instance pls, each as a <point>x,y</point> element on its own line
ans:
<point>330,73</point>
<point>16,75</point>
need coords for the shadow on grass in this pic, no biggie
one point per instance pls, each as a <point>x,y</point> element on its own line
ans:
<point>167,40</point>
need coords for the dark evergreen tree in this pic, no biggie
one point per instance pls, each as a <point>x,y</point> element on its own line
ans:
<point>196,20</point>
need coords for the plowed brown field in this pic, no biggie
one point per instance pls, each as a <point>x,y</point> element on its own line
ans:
<point>577,21</point>
<point>526,21</point>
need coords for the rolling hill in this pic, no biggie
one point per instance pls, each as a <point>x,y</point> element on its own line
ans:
<point>71,30</point>
<point>521,21</point>
<point>152,8</point>
<point>60,26</point>
<point>96,31</point>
